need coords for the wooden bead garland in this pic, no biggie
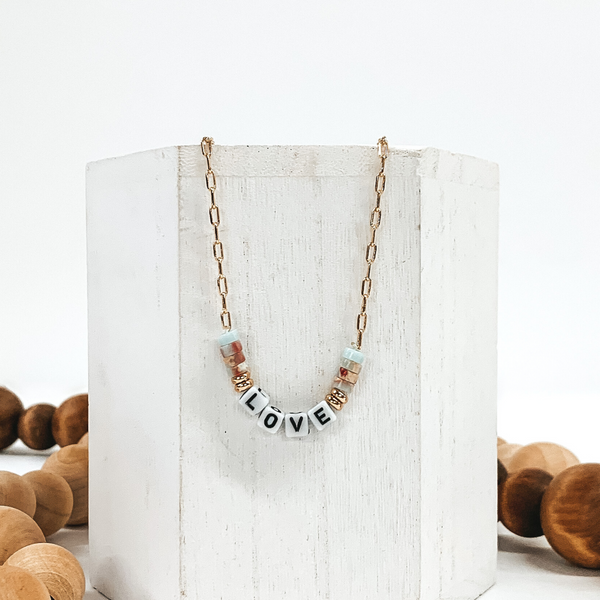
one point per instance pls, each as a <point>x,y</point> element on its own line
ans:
<point>564,507</point>
<point>55,566</point>
<point>18,584</point>
<point>39,425</point>
<point>17,530</point>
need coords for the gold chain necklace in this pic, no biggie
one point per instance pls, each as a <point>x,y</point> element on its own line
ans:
<point>253,399</point>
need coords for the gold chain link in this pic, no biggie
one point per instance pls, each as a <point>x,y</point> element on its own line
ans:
<point>215,221</point>
<point>371,253</point>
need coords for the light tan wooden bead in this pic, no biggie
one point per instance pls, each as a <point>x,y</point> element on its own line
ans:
<point>71,463</point>
<point>54,500</point>
<point>16,492</point>
<point>17,530</point>
<point>505,453</point>
<point>542,455</point>
<point>55,566</point>
<point>500,441</point>
<point>18,584</point>
<point>84,441</point>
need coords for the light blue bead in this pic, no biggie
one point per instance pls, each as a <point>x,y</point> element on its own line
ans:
<point>228,337</point>
<point>356,355</point>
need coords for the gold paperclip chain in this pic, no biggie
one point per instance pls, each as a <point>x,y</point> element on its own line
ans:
<point>215,221</point>
<point>371,253</point>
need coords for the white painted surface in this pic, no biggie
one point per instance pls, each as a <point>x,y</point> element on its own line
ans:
<point>206,504</point>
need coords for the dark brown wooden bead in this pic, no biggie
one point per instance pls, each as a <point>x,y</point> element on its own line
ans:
<point>10,411</point>
<point>519,501</point>
<point>571,515</point>
<point>35,426</point>
<point>70,421</point>
<point>502,475</point>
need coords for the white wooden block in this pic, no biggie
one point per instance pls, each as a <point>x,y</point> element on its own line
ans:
<point>321,415</point>
<point>188,498</point>
<point>296,425</point>
<point>254,400</point>
<point>271,419</point>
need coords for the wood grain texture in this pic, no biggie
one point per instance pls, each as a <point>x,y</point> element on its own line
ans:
<point>55,566</point>
<point>71,463</point>
<point>570,514</point>
<point>10,411</point>
<point>17,530</point>
<point>519,501</point>
<point>18,584</point>
<point>70,421</point>
<point>16,492</point>
<point>35,426</point>
<point>231,512</point>
<point>505,453</point>
<point>54,500</point>
<point>550,457</point>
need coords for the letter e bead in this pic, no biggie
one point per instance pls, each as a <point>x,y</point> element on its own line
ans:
<point>321,415</point>
<point>270,419</point>
<point>254,400</point>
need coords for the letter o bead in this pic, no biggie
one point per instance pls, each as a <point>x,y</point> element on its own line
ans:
<point>271,419</point>
<point>254,400</point>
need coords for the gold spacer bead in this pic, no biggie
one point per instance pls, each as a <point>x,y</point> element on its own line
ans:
<point>339,395</point>
<point>334,402</point>
<point>242,387</point>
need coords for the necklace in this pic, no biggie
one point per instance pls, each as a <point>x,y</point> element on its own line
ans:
<point>253,399</point>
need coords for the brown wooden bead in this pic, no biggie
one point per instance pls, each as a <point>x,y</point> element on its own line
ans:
<point>519,501</point>
<point>84,441</point>
<point>16,492</point>
<point>55,566</point>
<point>71,463</point>
<point>17,530</point>
<point>571,515</point>
<point>35,426</point>
<point>54,500</point>
<point>19,584</point>
<point>505,452</point>
<point>70,420</point>
<point>10,411</point>
<point>542,455</point>
<point>502,475</point>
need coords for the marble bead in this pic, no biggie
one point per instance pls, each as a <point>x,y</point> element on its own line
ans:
<point>228,337</point>
<point>321,415</point>
<point>354,355</point>
<point>296,424</point>
<point>271,419</point>
<point>346,363</point>
<point>231,349</point>
<point>254,400</point>
<point>234,359</point>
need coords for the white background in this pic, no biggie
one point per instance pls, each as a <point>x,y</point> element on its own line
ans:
<point>514,82</point>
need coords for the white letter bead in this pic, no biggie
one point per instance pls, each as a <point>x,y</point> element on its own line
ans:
<point>296,424</point>
<point>271,419</point>
<point>321,415</point>
<point>254,400</point>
